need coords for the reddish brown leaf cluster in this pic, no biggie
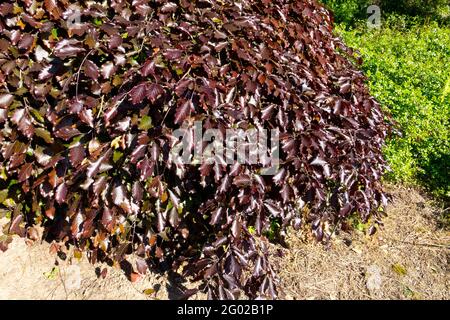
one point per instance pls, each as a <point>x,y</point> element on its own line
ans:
<point>92,91</point>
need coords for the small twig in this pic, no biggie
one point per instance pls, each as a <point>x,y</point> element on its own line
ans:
<point>186,74</point>
<point>435,245</point>
<point>101,106</point>
<point>79,71</point>
<point>129,54</point>
<point>63,284</point>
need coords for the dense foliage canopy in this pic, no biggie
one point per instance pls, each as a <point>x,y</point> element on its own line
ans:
<point>91,94</point>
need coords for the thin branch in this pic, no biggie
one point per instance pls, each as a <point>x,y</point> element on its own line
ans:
<point>79,71</point>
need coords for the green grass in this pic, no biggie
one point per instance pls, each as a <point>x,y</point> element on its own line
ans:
<point>351,11</point>
<point>407,63</point>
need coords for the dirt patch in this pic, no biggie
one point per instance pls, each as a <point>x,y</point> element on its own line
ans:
<point>31,272</point>
<point>407,259</point>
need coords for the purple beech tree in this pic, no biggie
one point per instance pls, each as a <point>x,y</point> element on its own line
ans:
<point>91,94</point>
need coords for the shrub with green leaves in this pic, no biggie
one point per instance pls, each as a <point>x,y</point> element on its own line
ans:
<point>409,73</point>
<point>350,12</point>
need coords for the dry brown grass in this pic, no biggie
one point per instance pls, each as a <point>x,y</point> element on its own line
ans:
<point>410,240</point>
<point>407,259</point>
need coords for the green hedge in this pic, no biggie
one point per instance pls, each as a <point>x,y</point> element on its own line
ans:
<point>409,73</point>
<point>350,11</point>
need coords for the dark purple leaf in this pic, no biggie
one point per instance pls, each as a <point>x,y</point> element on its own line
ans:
<point>77,155</point>
<point>174,218</point>
<point>183,111</point>
<point>138,93</point>
<point>91,69</point>
<point>68,48</point>
<point>61,193</point>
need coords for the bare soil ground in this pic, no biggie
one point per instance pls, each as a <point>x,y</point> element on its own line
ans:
<point>407,259</point>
